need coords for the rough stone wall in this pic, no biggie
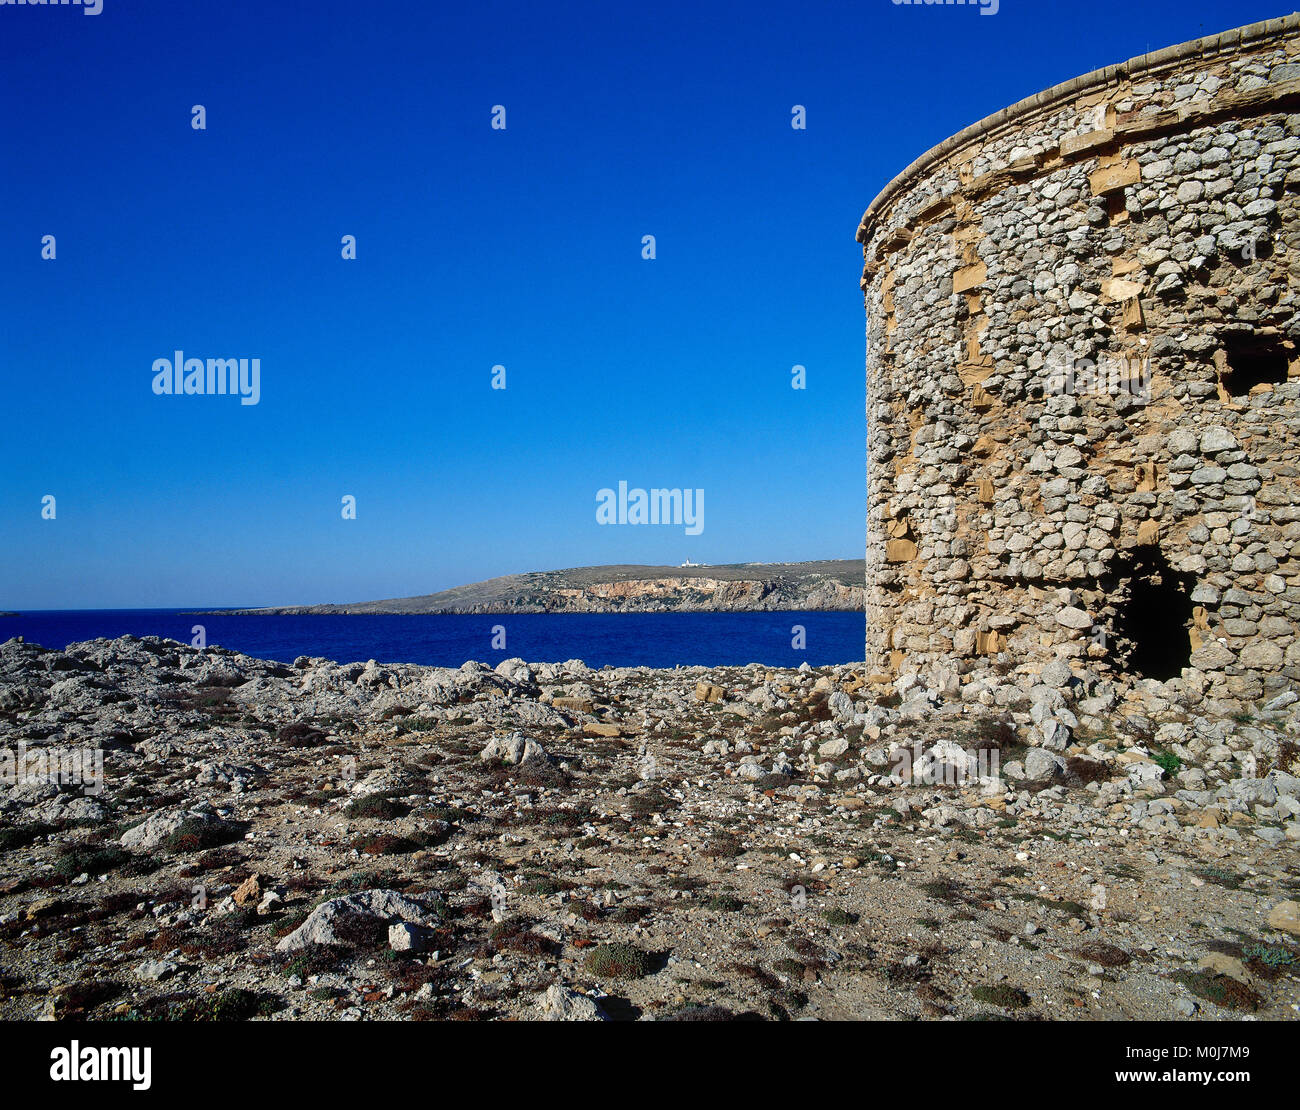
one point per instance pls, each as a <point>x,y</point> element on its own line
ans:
<point>1023,506</point>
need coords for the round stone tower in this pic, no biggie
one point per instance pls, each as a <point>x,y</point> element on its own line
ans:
<point>1083,369</point>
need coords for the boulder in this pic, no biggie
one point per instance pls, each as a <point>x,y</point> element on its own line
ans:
<point>157,827</point>
<point>832,749</point>
<point>562,1004</point>
<point>406,937</point>
<point>706,691</point>
<point>1040,764</point>
<point>513,749</point>
<point>329,923</point>
<point>154,971</point>
<point>1056,735</point>
<point>841,706</point>
<point>250,890</point>
<point>1057,674</point>
<point>517,672</point>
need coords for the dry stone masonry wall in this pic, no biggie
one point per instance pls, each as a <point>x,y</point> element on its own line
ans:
<point>1083,362</point>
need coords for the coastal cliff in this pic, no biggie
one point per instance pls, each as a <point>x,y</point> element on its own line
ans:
<point>827,585</point>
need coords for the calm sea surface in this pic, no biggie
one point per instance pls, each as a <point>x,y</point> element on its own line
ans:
<point>599,639</point>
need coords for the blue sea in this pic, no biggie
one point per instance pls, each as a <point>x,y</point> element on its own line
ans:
<point>598,639</point>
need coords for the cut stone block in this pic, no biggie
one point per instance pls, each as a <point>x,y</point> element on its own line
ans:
<point>1112,179</point>
<point>969,277</point>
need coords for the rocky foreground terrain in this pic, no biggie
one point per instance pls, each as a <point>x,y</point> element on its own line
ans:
<point>315,840</point>
<point>836,584</point>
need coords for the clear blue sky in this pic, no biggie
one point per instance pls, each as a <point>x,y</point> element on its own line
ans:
<point>476,247</point>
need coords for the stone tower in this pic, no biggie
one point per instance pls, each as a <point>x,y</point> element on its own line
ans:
<point>1082,379</point>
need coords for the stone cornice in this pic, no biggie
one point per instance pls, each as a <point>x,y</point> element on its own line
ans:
<point>1227,42</point>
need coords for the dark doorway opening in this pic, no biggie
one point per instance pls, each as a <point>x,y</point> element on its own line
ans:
<point>1253,362</point>
<point>1155,615</point>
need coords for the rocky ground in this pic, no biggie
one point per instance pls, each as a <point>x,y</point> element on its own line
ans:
<point>315,840</point>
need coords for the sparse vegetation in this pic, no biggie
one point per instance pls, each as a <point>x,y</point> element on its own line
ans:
<point>1222,990</point>
<point>1009,998</point>
<point>195,835</point>
<point>89,859</point>
<point>617,961</point>
<point>376,806</point>
<point>1168,762</point>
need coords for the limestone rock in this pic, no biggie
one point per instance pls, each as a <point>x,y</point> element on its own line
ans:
<point>1040,764</point>
<point>153,971</point>
<point>156,828</point>
<point>1285,917</point>
<point>706,691</point>
<point>514,749</point>
<point>562,1004</point>
<point>334,922</point>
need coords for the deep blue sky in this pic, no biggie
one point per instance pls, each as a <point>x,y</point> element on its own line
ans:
<point>475,247</point>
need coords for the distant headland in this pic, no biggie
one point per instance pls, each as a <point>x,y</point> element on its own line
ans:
<point>836,584</point>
